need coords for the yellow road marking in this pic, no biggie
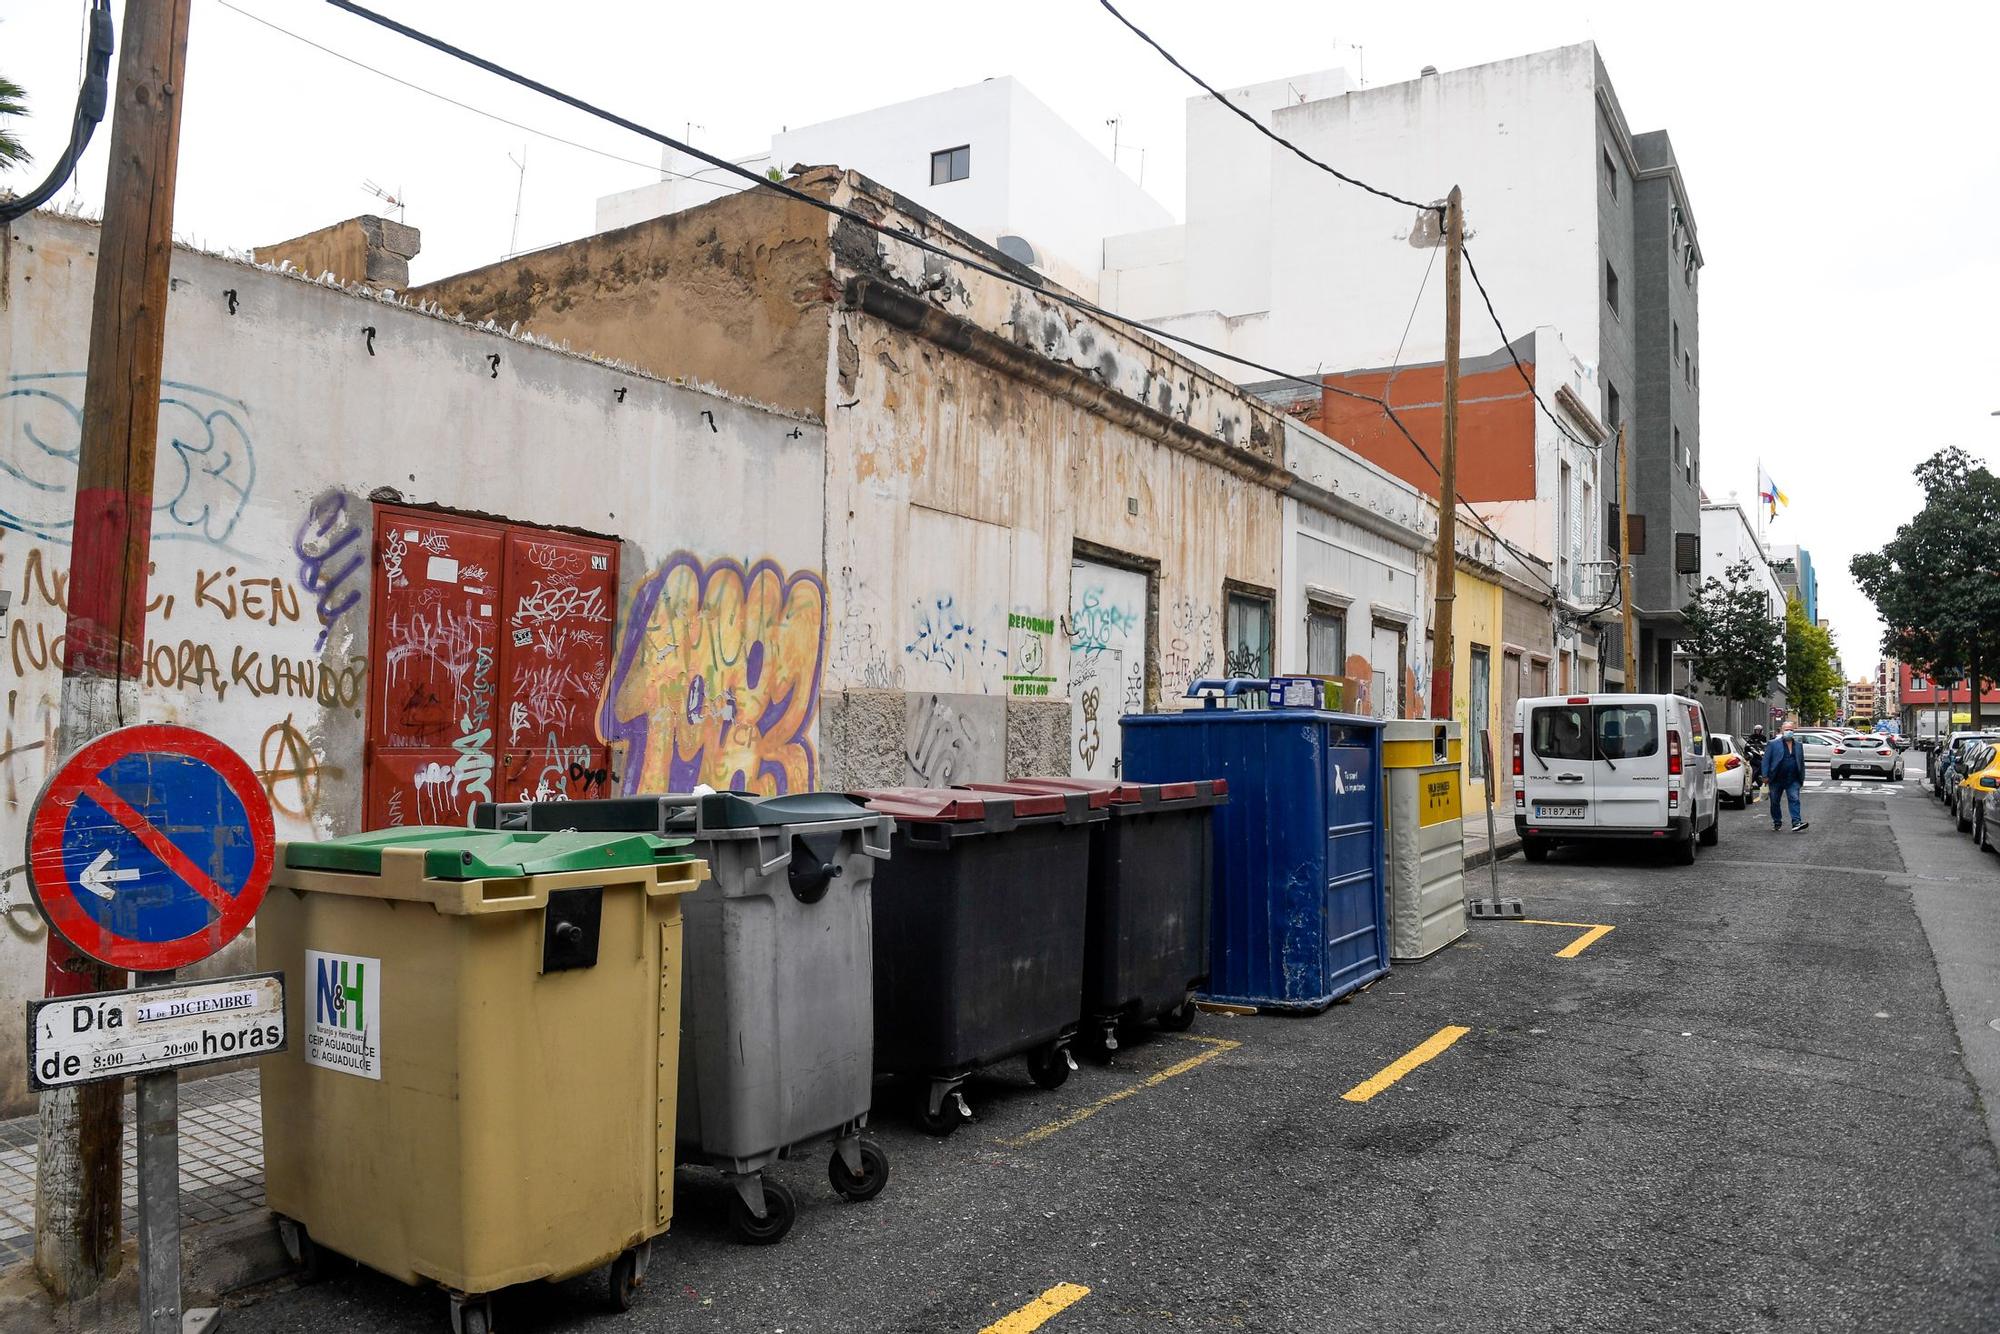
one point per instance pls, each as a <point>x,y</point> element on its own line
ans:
<point>1039,1311</point>
<point>1216,1047</point>
<point>1592,933</point>
<point>1430,1047</point>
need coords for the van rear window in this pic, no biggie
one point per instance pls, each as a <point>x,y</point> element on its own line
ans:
<point>1622,731</point>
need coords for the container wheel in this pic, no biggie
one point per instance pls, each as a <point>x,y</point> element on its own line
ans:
<point>874,1173</point>
<point>781,1210</point>
<point>628,1277</point>
<point>1181,1018</point>
<point>471,1315</point>
<point>1049,1066</point>
<point>950,1113</point>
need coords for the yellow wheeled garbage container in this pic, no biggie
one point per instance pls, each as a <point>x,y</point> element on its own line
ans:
<point>1420,759</point>
<point>482,1082</point>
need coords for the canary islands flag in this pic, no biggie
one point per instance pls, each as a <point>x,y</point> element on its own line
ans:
<point>1769,493</point>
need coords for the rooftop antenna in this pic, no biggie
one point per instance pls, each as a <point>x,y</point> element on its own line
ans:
<point>520,185</point>
<point>1114,122</point>
<point>395,201</point>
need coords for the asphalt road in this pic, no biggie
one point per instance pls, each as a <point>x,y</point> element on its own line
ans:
<point>1743,1108</point>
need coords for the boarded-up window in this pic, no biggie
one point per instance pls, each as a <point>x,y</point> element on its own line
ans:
<point>489,649</point>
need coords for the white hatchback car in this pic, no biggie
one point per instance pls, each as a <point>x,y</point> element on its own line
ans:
<point>1732,769</point>
<point>1871,755</point>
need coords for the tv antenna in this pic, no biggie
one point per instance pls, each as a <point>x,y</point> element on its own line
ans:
<point>395,201</point>
<point>520,185</point>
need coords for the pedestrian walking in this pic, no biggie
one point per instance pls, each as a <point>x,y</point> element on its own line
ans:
<point>1785,774</point>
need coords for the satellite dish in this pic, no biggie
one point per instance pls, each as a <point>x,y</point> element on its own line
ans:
<point>1017,249</point>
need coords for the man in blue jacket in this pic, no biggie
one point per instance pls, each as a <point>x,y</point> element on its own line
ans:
<point>1785,773</point>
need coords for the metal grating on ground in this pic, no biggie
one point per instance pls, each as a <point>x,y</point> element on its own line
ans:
<point>222,1161</point>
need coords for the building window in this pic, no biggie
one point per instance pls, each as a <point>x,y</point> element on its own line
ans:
<point>1614,413</point>
<point>1677,340</point>
<point>1246,633</point>
<point>1326,640</point>
<point>951,164</point>
<point>1611,288</point>
<point>1684,455</point>
<point>1610,174</point>
<point>1478,693</point>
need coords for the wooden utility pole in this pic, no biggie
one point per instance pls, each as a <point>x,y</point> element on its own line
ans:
<point>1447,544</point>
<point>1625,562</point>
<point>77,1185</point>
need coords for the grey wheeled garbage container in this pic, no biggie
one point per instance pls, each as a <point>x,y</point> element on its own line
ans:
<point>778,1020</point>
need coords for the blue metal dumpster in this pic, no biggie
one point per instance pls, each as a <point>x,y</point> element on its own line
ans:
<point>1297,917</point>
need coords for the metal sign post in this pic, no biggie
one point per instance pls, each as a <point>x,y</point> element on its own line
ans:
<point>1494,906</point>
<point>150,849</point>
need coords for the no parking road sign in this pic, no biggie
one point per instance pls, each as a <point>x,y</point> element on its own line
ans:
<point>151,848</point>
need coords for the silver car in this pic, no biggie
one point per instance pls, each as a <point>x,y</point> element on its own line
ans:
<point>1816,747</point>
<point>1870,755</point>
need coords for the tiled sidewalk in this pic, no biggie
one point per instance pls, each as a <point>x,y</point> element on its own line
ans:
<point>222,1161</point>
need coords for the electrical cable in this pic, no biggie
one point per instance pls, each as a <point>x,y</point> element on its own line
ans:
<point>1277,138</point>
<point>894,233</point>
<point>463,106</point>
<point>1526,379</point>
<point>1259,125</point>
<point>91,97</point>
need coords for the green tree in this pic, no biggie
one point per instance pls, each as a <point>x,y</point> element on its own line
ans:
<point>13,102</point>
<point>1812,684</point>
<point>1934,584</point>
<point>1734,644</point>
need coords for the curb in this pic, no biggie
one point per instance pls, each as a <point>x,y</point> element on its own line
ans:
<point>1479,858</point>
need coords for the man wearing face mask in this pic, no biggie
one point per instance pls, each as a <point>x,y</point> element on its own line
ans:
<point>1785,774</point>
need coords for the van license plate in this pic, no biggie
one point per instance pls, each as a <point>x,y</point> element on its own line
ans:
<point>1558,810</point>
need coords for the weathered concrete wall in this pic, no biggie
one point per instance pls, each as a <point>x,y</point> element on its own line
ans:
<point>366,249</point>
<point>278,423</point>
<point>733,293</point>
<point>981,440</point>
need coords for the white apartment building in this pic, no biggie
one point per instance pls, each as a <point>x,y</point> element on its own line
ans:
<point>990,157</point>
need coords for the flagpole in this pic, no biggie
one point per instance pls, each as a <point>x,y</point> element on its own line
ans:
<point>1763,550</point>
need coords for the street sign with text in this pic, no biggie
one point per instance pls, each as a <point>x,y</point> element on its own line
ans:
<point>112,1034</point>
<point>151,847</point>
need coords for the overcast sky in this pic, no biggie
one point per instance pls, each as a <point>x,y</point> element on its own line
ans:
<point>1842,162</point>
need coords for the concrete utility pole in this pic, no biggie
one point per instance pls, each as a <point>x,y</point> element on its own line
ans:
<point>1625,562</point>
<point>77,1185</point>
<point>1447,545</point>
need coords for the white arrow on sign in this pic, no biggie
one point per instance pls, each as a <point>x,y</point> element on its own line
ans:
<point>99,877</point>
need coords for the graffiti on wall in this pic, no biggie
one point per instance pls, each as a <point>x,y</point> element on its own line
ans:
<point>945,636</point>
<point>857,660</point>
<point>717,678</point>
<point>205,452</point>
<point>940,746</point>
<point>1190,649</point>
<point>333,561</point>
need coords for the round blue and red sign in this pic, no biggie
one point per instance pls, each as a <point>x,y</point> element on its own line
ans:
<point>151,848</point>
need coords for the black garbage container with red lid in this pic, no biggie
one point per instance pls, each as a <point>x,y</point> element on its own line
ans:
<point>1146,929</point>
<point>979,937</point>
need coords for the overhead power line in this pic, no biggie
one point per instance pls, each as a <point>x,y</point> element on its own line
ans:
<point>463,106</point>
<point>898,234</point>
<point>1259,125</point>
<point>1338,174</point>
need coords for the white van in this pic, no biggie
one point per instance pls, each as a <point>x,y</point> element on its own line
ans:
<point>1613,766</point>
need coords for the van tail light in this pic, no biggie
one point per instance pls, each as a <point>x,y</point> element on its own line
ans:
<point>1673,799</point>
<point>1673,752</point>
<point>1518,769</point>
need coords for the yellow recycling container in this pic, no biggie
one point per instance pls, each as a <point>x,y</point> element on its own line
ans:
<point>481,1085</point>
<point>1420,760</point>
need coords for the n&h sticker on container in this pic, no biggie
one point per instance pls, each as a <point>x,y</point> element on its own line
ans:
<point>343,1028</point>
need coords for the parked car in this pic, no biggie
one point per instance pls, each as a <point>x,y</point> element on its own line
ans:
<point>1984,796</point>
<point>1941,758</point>
<point>1980,760</point>
<point>1816,744</point>
<point>1951,762</point>
<point>1732,770</point>
<point>1590,767</point>
<point>1868,754</point>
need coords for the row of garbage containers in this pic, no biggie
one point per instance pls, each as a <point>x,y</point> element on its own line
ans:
<point>461,1104</point>
<point>507,1037</point>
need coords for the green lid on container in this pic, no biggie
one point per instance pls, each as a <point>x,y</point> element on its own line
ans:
<point>481,854</point>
